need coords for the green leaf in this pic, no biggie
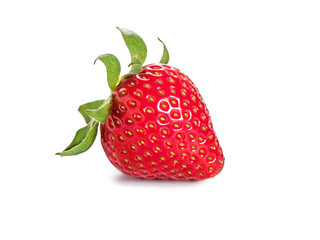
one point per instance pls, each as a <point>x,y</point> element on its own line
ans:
<point>135,44</point>
<point>91,105</point>
<point>165,56</point>
<point>101,113</point>
<point>113,69</point>
<point>82,141</point>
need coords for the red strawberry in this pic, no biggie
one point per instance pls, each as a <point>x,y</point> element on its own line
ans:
<point>156,124</point>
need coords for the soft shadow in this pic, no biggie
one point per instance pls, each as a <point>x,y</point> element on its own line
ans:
<point>128,180</point>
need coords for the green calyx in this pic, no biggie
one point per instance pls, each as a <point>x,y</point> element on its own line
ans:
<point>97,111</point>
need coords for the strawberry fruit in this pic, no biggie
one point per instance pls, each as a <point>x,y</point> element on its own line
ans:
<point>155,125</point>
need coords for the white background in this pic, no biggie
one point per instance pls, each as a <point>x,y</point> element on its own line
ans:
<point>256,64</point>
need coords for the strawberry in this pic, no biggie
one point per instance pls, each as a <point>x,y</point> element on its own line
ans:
<point>155,125</point>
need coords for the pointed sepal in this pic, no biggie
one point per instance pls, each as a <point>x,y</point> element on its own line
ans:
<point>135,44</point>
<point>165,56</point>
<point>113,69</point>
<point>83,140</point>
<point>100,114</point>
<point>88,106</point>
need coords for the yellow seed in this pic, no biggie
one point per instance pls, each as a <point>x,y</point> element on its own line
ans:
<point>211,147</point>
<point>210,168</point>
<point>149,110</point>
<point>118,122</point>
<point>195,122</point>
<point>187,125</point>
<point>153,163</point>
<point>203,128</point>
<point>123,93</point>
<point>147,86</point>
<point>172,171</point>
<point>175,161</point>
<point>156,73</point>
<point>148,153</point>
<point>179,175</point>
<point>130,121</point>
<point>193,98</point>
<point>162,158</point>
<point>142,142</point>
<point>165,166</point>
<point>175,114</point>
<point>132,84</point>
<point>209,125</point>
<point>113,138</point>
<point>217,143</point>
<point>210,136</point>
<point>123,107</point>
<point>219,160</point>
<point>139,116</point>
<point>140,130</point>
<point>185,104</point>
<point>158,148</point>
<point>139,158</point>
<point>159,81</point>
<point>132,103</point>
<point>200,105</point>
<point>162,119</point>
<point>133,147</point>
<point>194,110</point>
<point>135,173</point>
<point>121,137</point>
<point>172,153</point>
<point>144,171</point>
<point>201,151</point>
<point>193,147</point>
<point>168,143</point>
<point>124,151</point>
<point>130,133</point>
<point>173,102</point>
<point>138,94</point>
<point>203,117</point>
<point>184,166</point>
<point>171,80</point>
<point>220,169</point>
<point>198,165</point>
<point>171,73</point>
<point>191,136</point>
<point>181,144</point>
<point>183,154</point>
<point>189,172</point>
<point>201,174</point>
<point>200,139</point>
<point>173,91</point>
<point>151,125</point>
<point>114,155</point>
<point>151,99</point>
<point>192,158</point>
<point>155,68</point>
<point>154,138</point>
<point>126,160</point>
<point>186,115</point>
<point>209,158</point>
<point>176,125</point>
<point>144,78</point>
<point>164,131</point>
<point>163,106</point>
<point>161,92</point>
<point>129,167</point>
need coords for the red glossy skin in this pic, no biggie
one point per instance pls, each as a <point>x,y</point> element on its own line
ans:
<point>159,128</point>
